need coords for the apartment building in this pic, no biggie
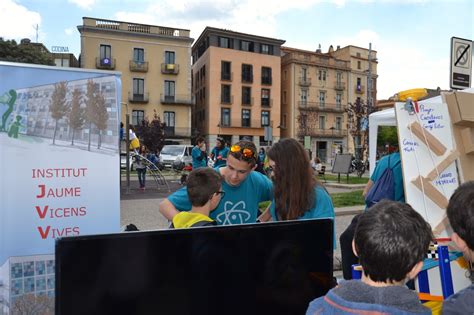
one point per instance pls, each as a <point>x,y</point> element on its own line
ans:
<point>155,66</point>
<point>236,84</point>
<point>314,101</point>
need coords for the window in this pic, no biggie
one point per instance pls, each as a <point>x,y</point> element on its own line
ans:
<point>105,52</point>
<point>169,119</point>
<point>169,90</point>
<point>284,75</point>
<point>304,97</point>
<point>338,100</point>
<point>138,87</point>
<point>265,97</point>
<point>246,95</point>
<point>225,70</point>
<point>138,55</point>
<point>283,122</point>
<point>266,75</point>
<point>304,120</point>
<point>358,64</point>
<point>266,49</point>
<point>359,86</point>
<point>245,117</point>
<point>338,77</point>
<point>137,117</point>
<point>246,45</point>
<point>338,123</point>
<point>225,42</point>
<point>322,75</point>
<point>247,73</point>
<point>322,98</point>
<point>225,94</point>
<point>284,97</point>
<point>265,118</point>
<point>304,73</point>
<point>358,55</point>
<point>170,57</point>
<point>322,122</point>
<point>225,117</point>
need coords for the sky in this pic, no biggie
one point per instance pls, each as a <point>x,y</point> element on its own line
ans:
<point>412,37</point>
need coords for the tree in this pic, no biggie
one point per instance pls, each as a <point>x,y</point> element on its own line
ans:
<point>77,113</point>
<point>101,116</point>
<point>387,135</point>
<point>90,107</point>
<point>29,304</point>
<point>58,107</point>
<point>151,133</point>
<point>26,53</point>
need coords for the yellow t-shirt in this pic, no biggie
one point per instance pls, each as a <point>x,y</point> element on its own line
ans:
<point>186,219</point>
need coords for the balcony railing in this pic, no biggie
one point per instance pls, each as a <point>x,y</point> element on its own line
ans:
<point>266,102</point>
<point>239,123</point>
<point>227,101</point>
<point>138,66</point>
<point>247,78</point>
<point>105,63</point>
<point>169,68</point>
<point>227,76</point>
<point>316,106</point>
<point>266,80</point>
<point>304,81</point>
<point>328,133</point>
<point>359,89</point>
<point>138,98</point>
<point>248,102</point>
<point>177,99</point>
<point>177,132</point>
<point>340,86</point>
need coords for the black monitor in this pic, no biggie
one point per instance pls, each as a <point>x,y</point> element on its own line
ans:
<point>270,268</point>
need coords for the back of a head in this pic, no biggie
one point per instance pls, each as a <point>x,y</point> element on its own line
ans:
<point>244,150</point>
<point>199,140</point>
<point>390,239</point>
<point>202,183</point>
<point>461,212</point>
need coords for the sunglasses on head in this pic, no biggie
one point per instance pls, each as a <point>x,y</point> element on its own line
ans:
<point>248,153</point>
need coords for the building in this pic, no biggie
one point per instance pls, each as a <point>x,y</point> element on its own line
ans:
<point>155,65</point>
<point>60,55</point>
<point>314,100</point>
<point>362,96</point>
<point>236,84</point>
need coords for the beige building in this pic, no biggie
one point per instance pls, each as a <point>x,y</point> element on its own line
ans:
<point>236,84</point>
<point>314,101</point>
<point>155,65</point>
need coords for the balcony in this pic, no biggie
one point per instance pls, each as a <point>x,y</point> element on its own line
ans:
<point>226,101</point>
<point>359,89</point>
<point>266,80</point>
<point>340,86</point>
<point>169,68</point>
<point>316,106</point>
<point>177,99</point>
<point>138,98</point>
<point>304,81</point>
<point>138,66</point>
<point>177,132</point>
<point>239,123</point>
<point>247,102</point>
<point>105,63</point>
<point>227,76</point>
<point>327,133</point>
<point>266,102</point>
<point>247,78</point>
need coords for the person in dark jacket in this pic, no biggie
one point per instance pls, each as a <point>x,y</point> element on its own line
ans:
<point>461,217</point>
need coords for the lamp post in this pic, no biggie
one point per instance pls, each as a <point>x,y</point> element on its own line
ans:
<point>127,147</point>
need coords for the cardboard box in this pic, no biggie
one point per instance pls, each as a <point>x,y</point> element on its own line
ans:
<point>467,135</point>
<point>461,108</point>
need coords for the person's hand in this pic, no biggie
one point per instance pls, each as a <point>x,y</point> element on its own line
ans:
<point>219,157</point>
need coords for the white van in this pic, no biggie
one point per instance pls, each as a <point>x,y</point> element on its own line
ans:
<point>176,152</point>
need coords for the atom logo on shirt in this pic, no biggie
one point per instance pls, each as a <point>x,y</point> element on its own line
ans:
<point>233,214</point>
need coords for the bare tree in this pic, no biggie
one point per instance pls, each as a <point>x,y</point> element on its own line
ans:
<point>90,107</point>
<point>29,304</point>
<point>77,113</point>
<point>101,116</point>
<point>58,107</point>
<point>151,133</point>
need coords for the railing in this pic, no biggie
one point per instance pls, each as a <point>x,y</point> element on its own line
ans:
<point>359,89</point>
<point>138,66</point>
<point>267,80</point>
<point>316,106</point>
<point>341,86</point>
<point>314,58</point>
<point>177,99</point>
<point>239,123</point>
<point>227,102</point>
<point>248,102</point>
<point>304,81</point>
<point>171,132</point>
<point>169,68</point>
<point>138,98</point>
<point>329,133</point>
<point>247,78</point>
<point>227,76</point>
<point>105,63</point>
<point>266,102</point>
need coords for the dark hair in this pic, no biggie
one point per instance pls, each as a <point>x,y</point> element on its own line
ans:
<point>461,212</point>
<point>202,183</point>
<point>200,139</point>
<point>245,144</point>
<point>390,239</point>
<point>293,179</point>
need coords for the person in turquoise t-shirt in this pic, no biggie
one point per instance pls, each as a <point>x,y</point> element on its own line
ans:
<point>297,194</point>
<point>219,153</point>
<point>244,189</point>
<point>199,154</point>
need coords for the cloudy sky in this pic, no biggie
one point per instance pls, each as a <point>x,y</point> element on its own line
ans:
<point>412,37</point>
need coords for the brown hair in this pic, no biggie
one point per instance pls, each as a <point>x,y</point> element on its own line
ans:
<point>293,179</point>
<point>202,183</point>
<point>245,144</point>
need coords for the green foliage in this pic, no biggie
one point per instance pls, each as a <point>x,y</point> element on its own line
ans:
<point>352,198</point>
<point>26,53</point>
<point>151,133</point>
<point>352,179</point>
<point>387,135</point>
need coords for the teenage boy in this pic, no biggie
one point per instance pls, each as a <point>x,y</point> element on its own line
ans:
<point>199,154</point>
<point>391,241</point>
<point>204,188</point>
<point>461,217</point>
<point>244,189</point>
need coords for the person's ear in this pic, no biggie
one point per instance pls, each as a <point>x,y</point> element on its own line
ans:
<point>354,250</point>
<point>254,167</point>
<point>415,270</point>
<point>460,243</point>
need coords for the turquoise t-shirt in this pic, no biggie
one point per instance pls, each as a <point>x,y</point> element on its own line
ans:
<point>196,153</point>
<point>239,204</point>
<point>323,208</point>
<point>224,152</point>
<point>396,166</point>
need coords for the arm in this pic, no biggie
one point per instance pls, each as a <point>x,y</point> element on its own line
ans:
<point>369,185</point>
<point>167,209</point>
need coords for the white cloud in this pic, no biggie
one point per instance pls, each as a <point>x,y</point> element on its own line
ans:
<point>83,4</point>
<point>17,22</point>
<point>68,31</point>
